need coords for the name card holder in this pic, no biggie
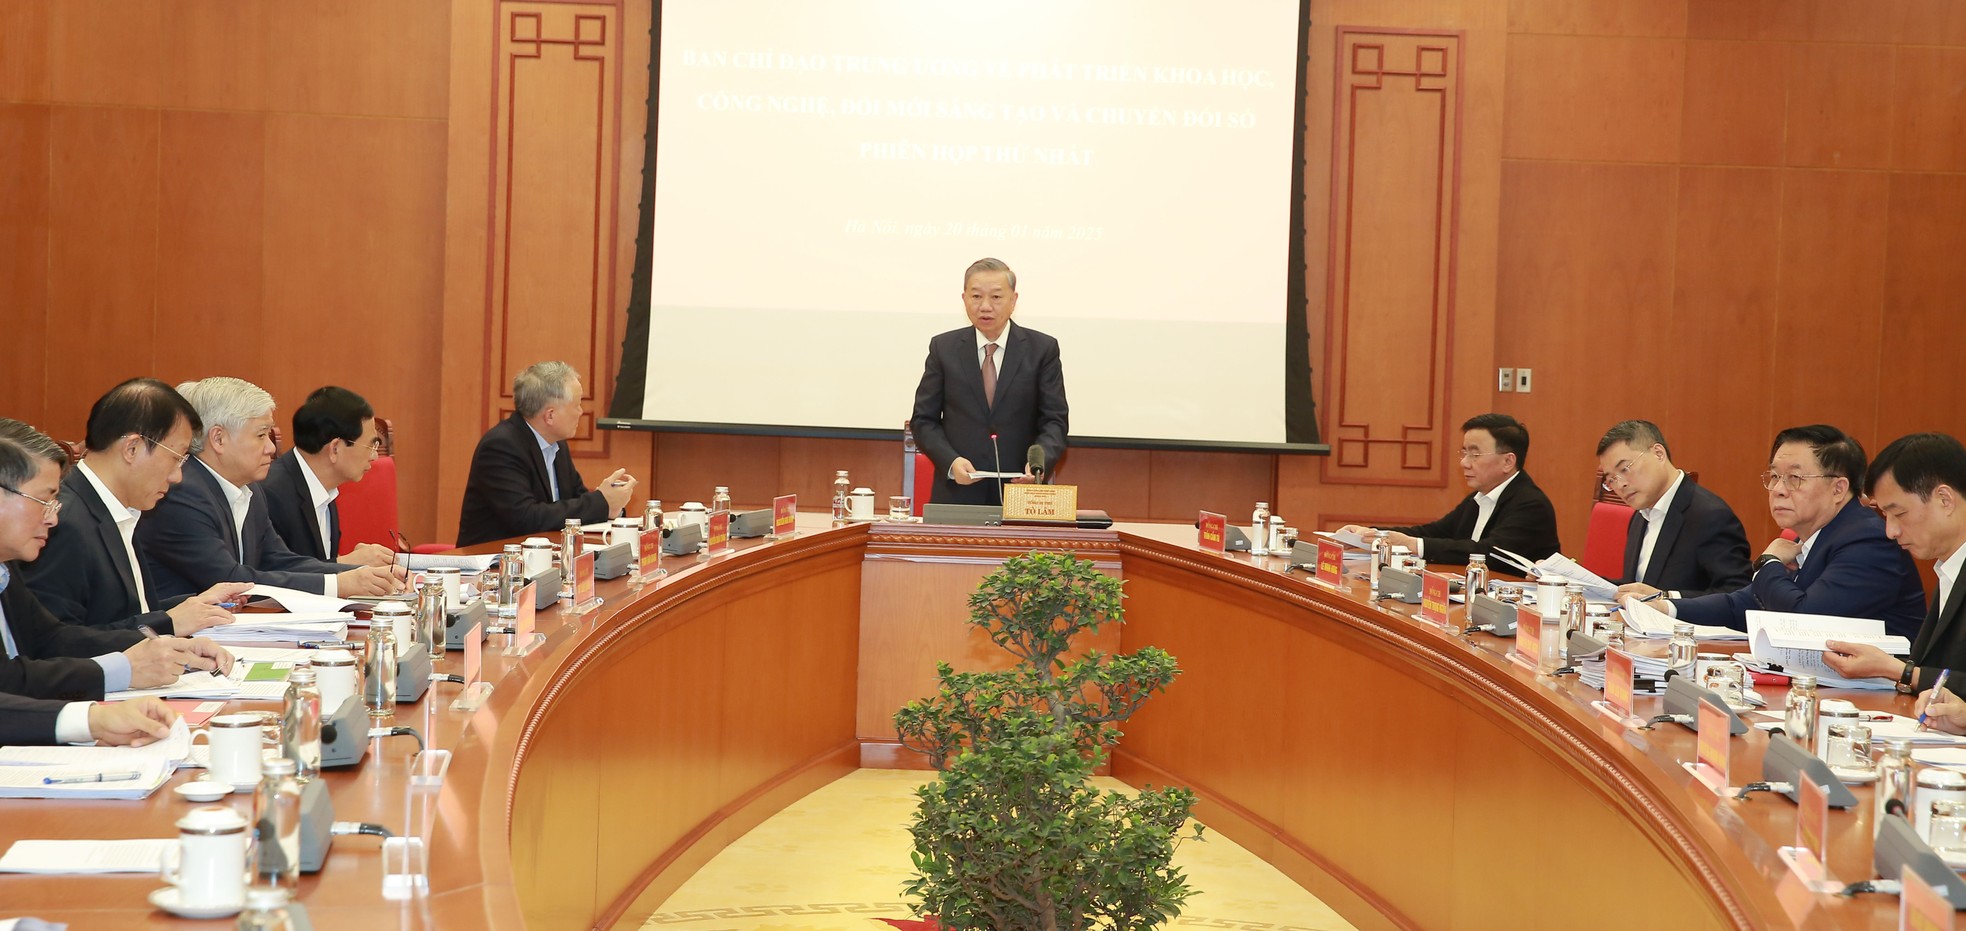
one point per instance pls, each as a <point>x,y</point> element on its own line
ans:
<point>584,598</point>
<point>1710,763</point>
<point>524,638</point>
<point>1330,564</point>
<point>1923,906</point>
<point>1056,504</point>
<point>1617,703</point>
<point>1436,599</point>
<point>1528,638</point>
<point>1213,532</point>
<point>475,690</point>
<point>651,559</point>
<point>784,517</point>
<point>1808,859</point>
<point>719,533</point>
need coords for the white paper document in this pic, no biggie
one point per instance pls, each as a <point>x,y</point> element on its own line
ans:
<point>1350,540</point>
<point>84,856</point>
<point>418,562</point>
<point>1653,624</point>
<point>1795,642</point>
<point>1596,587</point>
<point>212,684</point>
<point>25,771</point>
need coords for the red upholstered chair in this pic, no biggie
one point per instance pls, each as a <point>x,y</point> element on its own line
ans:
<point>1604,541</point>
<point>368,507</point>
<point>924,480</point>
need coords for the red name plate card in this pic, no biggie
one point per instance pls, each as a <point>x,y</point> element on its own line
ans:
<point>1214,532</point>
<point>522,624</point>
<point>1528,631</point>
<point>1712,746</point>
<point>719,532</point>
<point>1433,597</point>
<point>784,515</point>
<point>1921,907</point>
<point>474,654</point>
<point>1618,682</point>
<point>583,578</point>
<point>1331,563</point>
<point>1812,817</point>
<point>651,555</point>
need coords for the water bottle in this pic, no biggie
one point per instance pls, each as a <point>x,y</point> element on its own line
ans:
<point>511,577</point>
<point>432,617</point>
<point>1892,794</point>
<point>1573,616</point>
<point>652,516</point>
<point>266,910</point>
<point>720,499</point>
<point>300,720</point>
<point>1682,653</point>
<point>379,669</point>
<point>842,487</point>
<point>569,551</point>
<point>1377,560</point>
<point>1799,721</point>
<point>1476,582</point>
<point>1259,530</point>
<point>276,823</point>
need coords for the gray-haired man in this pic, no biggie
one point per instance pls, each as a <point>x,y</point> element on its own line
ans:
<point>522,475</point>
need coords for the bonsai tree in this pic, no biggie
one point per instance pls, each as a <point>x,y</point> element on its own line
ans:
<point>1012,834</point>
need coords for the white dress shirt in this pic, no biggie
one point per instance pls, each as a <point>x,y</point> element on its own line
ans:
<point>1947,570</point>
<point>1485,503</point>
<point>321,498</point>
<point>241,499</point>
<point>1655,518</point>
<point>1807,545</point>
<point>126,524</point>
<point>996,362</point>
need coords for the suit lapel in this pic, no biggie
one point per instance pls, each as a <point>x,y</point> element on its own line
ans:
<point>1634,542</point>
<point>111,538</point>
<point>1675,520</point>
<point>542,483</point>
<point>1935,626</point>
<point>1015,348</point>
<point>208,485</point>
<point>304,500</point>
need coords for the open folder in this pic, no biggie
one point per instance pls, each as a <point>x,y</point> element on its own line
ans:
<point>25,771</point>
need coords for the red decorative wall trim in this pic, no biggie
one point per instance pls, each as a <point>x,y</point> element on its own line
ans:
<point>1406,437</point>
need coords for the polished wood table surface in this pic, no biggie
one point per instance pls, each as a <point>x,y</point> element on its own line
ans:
<point>1407,776</point>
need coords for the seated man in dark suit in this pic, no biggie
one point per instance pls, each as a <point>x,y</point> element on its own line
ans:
<point>1683,539</point>
<point>212,528</point>
<point>334,443</point>
<point>134,723</point>
<point>89,573</point>
<point>522,477</point>
<point>43,657</point>
<point>1843,564</point>
<point>988,393</point>
<point>1919,484</point>
<point>1505,511</point>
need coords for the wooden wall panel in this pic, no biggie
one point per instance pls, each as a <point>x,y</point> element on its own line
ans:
<point>1119,481</point>
<point>689,466</point>
<point>211,200</point>
<point>217,54</point>
<point>1919,384</point>
<point>388,57</point>
<point>107,52</point>
<point>1599,17</point>
<point>1735,93</point>
<point>102,254</point>
<point>1788,20</point>
<point>24,30</point>
<point>1831,303</point>
<point>1593,98</point>
<point>24,218</point>
<point>1395,238</point>
<point>1930,115</point>
<point>806,467</point>
<point>1840,106</point>
<point>1182,484</point>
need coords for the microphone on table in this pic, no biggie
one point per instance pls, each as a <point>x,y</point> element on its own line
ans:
<point>1034,461</point>
<point>998,455</point>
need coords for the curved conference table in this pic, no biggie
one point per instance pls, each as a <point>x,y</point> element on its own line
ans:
<point>1407,777</point>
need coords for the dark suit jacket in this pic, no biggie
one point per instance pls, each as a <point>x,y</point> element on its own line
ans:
<point>952,419</point>
<point>83,575</point>
<point>507,494</point>
<point>54,657</point>
<point>1853,570</point>
<point>290,505</point>
<point>1941,641</point>
<point>1524,523</point>
<point>26,721</point>
<point>187,544</point>
<point>1701,549</point>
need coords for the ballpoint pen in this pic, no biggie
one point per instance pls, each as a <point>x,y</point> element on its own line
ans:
<point>1652,597</point>
<point>1936,686</point>
<point>149,634</point>
<point>123,776</point>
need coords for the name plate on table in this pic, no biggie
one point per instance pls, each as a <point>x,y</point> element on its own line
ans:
<point>583,579</point>
<point>1057,503</point>
<point>1528,636</point>
<point>1331,563</point>
<point>1434,597</point>
<point>1808,857</point>
<point>651,558</point>
<point>523,620</point>
<point>1618,684</point>
<point>1213,532</point>
<point>719,532</point>
<point>1922,906</point>
<point>1710,763</point>
<point>784,515</point>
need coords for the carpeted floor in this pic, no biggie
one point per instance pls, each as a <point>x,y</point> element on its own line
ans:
<point>836,860</point>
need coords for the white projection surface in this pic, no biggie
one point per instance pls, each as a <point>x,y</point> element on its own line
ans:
<point>826,170</point>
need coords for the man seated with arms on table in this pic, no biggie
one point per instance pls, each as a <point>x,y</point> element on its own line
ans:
<point>522,478</point>
<point>335,442</point>
<point>989,390</point>
<point>138,438</point>
<point>1919,484</point>
<point>212,528</point>
<point>1843,565</point>
<point>45,658</point>
<point>34,721</point>
<point>1683,539</point>
<point>1505,511</point>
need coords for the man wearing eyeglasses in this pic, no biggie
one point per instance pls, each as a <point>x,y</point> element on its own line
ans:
<point>334,443</point>
<point>214,526</point>
<point>1683,539</point>
<point>1505,510</point>
<point>137,436</point>
<point>41,657</point>
<point>1840,563</point>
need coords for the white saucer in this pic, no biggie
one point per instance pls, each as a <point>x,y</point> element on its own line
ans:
<point>167,899</point>
<point>203,790</point>
<point>1854,777</point>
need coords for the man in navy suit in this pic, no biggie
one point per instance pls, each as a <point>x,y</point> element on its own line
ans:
<point>1840,563</point>
<point>1504,510</point>
<point>138,436</point>
<point>1683,539</point>
<point>1918,484</point>
<point>988,393</point>
<point>335,443</point>
<point>214,528</point>
<point>522,475</point>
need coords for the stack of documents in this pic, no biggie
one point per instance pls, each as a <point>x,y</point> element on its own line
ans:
<point>1561,566</point>
<point>307,616</point>
<point>1643,620</point>
<point>252,681</point>
<point>126,772</point>
<point>1899,727</point>
<point>418,562</point>
<point>1794,643</point>
<point>1590,671</point>
<point>85,856</point>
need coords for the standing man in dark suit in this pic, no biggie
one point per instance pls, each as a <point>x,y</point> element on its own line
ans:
<point>522,475</point>
<point>989,392</point>
<point>1683,539</point>
<point>1840,562</point>
<point>334,443</point>
<point>41,657</point>
<point>138,437</point>
<point>1505,511</point>
<point>1919,484</point>
<point>213,528</point>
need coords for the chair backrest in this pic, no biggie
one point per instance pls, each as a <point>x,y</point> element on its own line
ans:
<point>368,507</point>
<point>924,480</point>
<point>1604,540</point>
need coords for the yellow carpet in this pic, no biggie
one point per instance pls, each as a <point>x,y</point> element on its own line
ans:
<point>836,859</point>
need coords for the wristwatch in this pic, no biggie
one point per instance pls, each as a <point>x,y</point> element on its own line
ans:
<point>1904,679</point>
<point>1764,561</point>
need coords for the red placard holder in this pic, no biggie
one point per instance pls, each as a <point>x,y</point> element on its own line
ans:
<point>1617,703</point>
<point>476,690</point>
<point>524,638</point>
<point>1920,906</point>
<point>784,517</point>
<point>1212,532</point>
<point>1710,764</point>
<point>1528,638</point>
<point>719,533</point>
<point>1330,564</point>
<point>584,598</point>
<point>650,558</point>
<point>1807,858</point>
<point>1435,598</point>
